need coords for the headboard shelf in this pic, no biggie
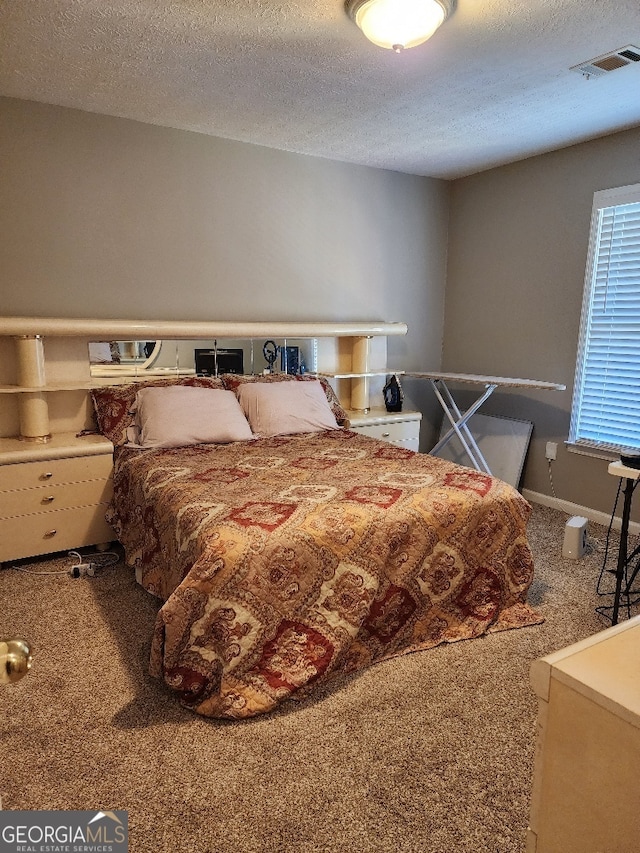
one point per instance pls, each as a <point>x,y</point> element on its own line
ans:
<point>96,382</point>
<point>186,329</point>
<point>51,354</point>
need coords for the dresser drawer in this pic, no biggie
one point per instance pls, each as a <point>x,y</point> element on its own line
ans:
<point>397,431</point>
<point>54,497</point>
<point>27,475</point>
<point>408,444</point>
<point>59,530</point>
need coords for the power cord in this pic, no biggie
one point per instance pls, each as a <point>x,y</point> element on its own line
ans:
<point>553,490</point>
<point>593,544</point>
<point>79,569</point>
<point>95,561</point>
<point>31,572</point>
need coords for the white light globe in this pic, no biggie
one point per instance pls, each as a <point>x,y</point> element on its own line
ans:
<point>397,24</point>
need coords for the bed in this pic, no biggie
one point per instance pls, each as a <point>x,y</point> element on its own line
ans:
<point>283,560</point>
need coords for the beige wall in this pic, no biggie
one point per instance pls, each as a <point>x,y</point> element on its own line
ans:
<point>106,217</point>
<point>517,251</point>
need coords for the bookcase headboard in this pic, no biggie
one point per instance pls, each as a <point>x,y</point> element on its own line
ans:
<point>45,368</point>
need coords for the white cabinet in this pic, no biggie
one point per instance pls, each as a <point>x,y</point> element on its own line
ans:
<point>54,495</point>
<point>401,428</point>
<point>585,790</point>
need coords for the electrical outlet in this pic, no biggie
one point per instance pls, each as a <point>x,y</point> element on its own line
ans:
<point>551,451</point>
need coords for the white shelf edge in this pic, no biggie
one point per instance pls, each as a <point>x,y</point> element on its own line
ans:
<point>384,372</point>
<point>188,329</point>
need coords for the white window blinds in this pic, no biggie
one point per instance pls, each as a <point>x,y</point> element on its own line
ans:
<point>606,403</point>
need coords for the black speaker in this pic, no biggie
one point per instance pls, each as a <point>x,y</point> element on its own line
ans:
<point>290,360</point>
<point>631,460</point>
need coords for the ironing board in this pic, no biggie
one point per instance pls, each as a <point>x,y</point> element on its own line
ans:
<point>458,419</point>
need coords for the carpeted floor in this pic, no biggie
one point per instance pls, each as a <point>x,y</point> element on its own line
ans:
<point>427,753</point>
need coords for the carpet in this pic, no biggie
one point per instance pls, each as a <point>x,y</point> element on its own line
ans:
<point>431,752</point>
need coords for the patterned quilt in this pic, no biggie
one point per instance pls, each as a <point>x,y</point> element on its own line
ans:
<point>284,561</point>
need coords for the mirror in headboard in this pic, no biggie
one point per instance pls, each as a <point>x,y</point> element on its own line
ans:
<point>251,356</point>
<point>205,357</point>
<point>122,357</point>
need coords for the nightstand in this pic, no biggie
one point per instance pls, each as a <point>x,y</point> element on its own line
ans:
<point>585,786</point>
<point>401,428</point>
<point>54,495</point>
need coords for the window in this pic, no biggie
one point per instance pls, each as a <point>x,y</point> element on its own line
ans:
<point>606,401</point>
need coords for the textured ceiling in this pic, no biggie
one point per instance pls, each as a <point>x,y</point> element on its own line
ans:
<point>492,86</point>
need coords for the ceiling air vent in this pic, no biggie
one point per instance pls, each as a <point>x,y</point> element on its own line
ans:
<point>608,62</point>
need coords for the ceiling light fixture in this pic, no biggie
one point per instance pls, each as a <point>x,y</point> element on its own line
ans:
<point>398,24</point>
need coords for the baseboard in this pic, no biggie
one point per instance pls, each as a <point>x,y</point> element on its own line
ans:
<point>575,509</point>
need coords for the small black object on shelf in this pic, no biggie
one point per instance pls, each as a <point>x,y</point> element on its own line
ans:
<point>393,396</point>
<point>631,460</point>
<point>213,362</point>
<point>290,361</point>
<point>270,352</point>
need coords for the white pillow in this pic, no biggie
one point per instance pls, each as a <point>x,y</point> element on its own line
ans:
<point>285,408</point>
<point>179,415</point>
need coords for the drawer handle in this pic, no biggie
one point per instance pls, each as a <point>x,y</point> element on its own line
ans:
<point>47,476</point>
<point>386,434</point>
<point>50,534</point>
<point>48,499</point>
